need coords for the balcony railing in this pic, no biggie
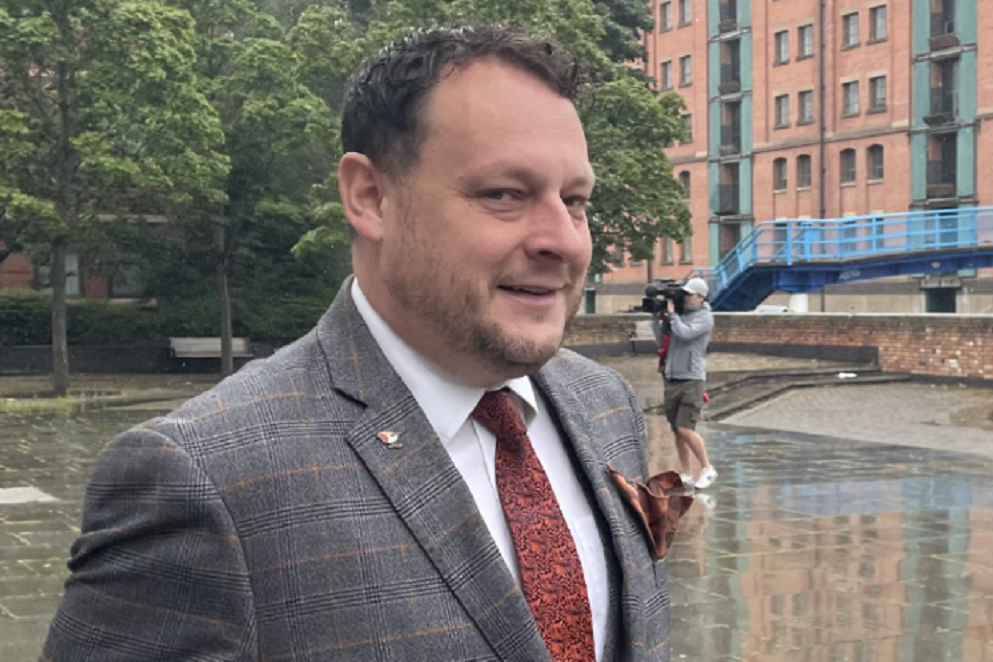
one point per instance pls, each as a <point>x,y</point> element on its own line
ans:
<point>944,29</point>
<point>728,16</point>
<point>942,23</point>
<point>944,101</point>
<point>729,202</point>
<point>730,78</point>
<point>731,138</point>
<point>941,178</point>
<point>940,171</point>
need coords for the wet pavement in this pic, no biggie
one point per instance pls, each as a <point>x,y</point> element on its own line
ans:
<point>813,548</point>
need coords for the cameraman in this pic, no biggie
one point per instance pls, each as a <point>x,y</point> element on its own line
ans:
<point>684,374</point>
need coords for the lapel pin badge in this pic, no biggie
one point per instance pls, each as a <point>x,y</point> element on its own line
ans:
<point>389,439</point>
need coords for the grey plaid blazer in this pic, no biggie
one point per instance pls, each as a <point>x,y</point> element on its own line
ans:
<point>264,520</point>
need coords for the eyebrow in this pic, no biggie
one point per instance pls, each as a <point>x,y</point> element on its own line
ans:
<point>526,174</point>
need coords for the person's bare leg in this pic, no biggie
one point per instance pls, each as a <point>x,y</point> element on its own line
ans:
<point>683,449</point>
<point>692,440</point>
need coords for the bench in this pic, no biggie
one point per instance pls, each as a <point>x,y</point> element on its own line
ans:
<point>208,348</point>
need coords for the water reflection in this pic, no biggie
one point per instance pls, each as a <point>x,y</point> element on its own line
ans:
<point>823,550</point>
<point>805,549</point>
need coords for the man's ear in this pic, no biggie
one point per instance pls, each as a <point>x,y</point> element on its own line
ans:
<point>361,185</point>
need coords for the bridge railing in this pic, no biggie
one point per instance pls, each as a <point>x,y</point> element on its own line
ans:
<point>789,242</point>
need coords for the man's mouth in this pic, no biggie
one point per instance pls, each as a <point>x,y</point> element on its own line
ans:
<point>528,290</point>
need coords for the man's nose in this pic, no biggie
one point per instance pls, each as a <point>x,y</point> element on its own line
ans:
<point>557,232</point>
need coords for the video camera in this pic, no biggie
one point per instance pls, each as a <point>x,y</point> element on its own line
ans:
<point>661,290</point>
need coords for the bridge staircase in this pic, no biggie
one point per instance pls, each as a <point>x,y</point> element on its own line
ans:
<point>805,255</point>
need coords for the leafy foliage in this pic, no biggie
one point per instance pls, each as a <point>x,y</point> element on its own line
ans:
<point>636,200</point>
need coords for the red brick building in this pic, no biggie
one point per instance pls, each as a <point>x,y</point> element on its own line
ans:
<point>821,109</point>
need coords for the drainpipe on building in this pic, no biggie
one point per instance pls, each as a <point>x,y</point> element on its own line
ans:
<point>822,131</point>
<point>822,187</point>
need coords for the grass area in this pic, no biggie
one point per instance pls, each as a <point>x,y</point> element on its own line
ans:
<point>32,393</point>
<point>28,405</point>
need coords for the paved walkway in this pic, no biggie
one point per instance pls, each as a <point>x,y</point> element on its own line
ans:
<point>809,547</point>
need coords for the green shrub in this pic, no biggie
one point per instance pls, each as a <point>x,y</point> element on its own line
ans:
<point>26,319</point>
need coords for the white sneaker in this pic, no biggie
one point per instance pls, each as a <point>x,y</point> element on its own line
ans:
<point>687,481</point>
<point>707,478</point>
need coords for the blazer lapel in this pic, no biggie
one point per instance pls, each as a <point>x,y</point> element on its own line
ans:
<point>574,419</point>
<point>424,486</point>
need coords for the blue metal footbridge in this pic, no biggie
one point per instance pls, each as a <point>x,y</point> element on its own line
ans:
<point>804,255</point>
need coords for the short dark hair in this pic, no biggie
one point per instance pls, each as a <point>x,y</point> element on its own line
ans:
<point>382,106</point>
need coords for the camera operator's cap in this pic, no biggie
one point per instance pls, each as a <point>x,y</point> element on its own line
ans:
<point>696,286</point>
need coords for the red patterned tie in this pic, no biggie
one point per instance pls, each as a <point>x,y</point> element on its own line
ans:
<point>551,574</point>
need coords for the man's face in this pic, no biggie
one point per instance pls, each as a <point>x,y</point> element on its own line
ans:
<point>692,301</point>
<point>485,243</point>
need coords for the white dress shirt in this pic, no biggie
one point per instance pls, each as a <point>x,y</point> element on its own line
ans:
<point>448,407</point>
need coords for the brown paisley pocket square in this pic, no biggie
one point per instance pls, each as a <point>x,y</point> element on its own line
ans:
<point>659,504</point>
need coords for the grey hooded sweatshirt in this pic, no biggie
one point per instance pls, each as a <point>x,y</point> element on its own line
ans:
<point>687,355</point>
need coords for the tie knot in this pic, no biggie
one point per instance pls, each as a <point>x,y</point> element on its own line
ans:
<point>497,414</point>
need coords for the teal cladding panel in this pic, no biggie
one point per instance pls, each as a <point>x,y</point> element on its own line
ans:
<point>713,241</point>
<point>967,86</point>
<point>921,14</point>
<point>714,16</point>
<point>747,110</point>
<point>746,61</point>
<point>918,166</point>
<point>967,24</point>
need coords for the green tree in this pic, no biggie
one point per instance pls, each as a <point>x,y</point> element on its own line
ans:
<point>101,117</point>
<point>636,200</point>
<point>279,137</point>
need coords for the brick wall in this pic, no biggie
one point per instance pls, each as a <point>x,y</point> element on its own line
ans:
<point>601,329</point>
<point>936,345</point>
<point>948,346</point>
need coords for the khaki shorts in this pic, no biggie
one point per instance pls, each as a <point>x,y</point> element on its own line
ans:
<point>683,403</point>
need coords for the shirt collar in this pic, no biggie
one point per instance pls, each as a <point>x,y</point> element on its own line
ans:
<point>445,402</point>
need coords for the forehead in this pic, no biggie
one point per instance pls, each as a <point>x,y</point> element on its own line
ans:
<point>493,105</point>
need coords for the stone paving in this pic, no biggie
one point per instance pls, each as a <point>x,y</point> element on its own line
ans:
<point>812,547</point>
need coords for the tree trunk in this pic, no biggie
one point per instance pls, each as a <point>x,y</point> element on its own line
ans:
<point>224,299</point>
<point>66,204</point>
<point>60,345</point>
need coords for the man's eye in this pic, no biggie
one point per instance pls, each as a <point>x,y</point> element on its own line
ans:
<point>499,195</point>
<point>576,205</point>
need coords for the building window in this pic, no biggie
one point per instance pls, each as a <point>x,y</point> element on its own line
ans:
<point>877,23</point>
<point>850,98</point>
<point>805,41</point>
<point>685,182</point>
<point>128,280</point>
<point>685,12</point>
<point>667,252</point>
<point>877,94</point>
<point>848,166</point>
<point>667,75</point>
<point>686,251</point>
<point>805,102</point>
<point>850,30</point>
<point>874,166</point>
<point>782,111</point>
<point>73,281</point>
<point>685,70</point>
<point>665,16</point>
<point>779,174</point>
<point>782,47</point>
<point>803,171</point>
<point>687,129</point>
